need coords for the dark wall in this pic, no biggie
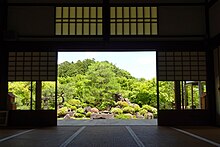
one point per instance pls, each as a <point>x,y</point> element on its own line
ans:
<point>31,21</point>
<point>180,20</point>
<point>38,21</point>
<point>214,13</point>
<point>214,17</point>
<point>217,83</point>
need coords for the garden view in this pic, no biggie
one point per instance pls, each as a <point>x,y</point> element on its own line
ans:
<point>88,87</point>
<point>92,86</point>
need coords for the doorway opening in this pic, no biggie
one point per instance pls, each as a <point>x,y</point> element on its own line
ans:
<point>107,86</point>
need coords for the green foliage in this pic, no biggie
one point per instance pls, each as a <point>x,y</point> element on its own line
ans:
<point>136,107</point>
<point>128,109</point>
<point>73,108</point>
<point>143,112</point>
<point>122,104</point>
<point>150,109</point>
<point>74,102</point>
<point>166,95</point>
<point>124,116</point>
<point>22,92</point>
<point>79,115</point>
<point>116,111</point>
<point>88,114</point>
<point>106,104</point>
<point>62,111</point>
<point>80,110</point>
<point>65,104</point>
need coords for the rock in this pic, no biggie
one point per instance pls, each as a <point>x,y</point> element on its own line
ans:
<point>94,110</point>
<point>87,109</point>
<point>106,112</point>
<point>102,116</point>
<point>127,100</point>
<point>138,116</point>
<point>67,116</point>
<point>150,115</point>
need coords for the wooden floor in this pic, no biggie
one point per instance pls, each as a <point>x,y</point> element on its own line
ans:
<point>110,136</point>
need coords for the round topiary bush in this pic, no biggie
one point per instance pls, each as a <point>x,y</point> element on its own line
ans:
<point>80,110</point>
<point>73,107</point>
<point>122,104</point>
<point>116,111</point>
<point>149,108</point>
<point>88,114</point>
<point>124,116</point>
<point>143,112</point>
<point>136,107</point>
<point>62,112</point>
<point>79,115</point>
<point>74,102</point>
<point>128,110</point>
<point>105,105</point>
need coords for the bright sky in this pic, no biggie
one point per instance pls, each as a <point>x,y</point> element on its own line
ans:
<point>139,64</point>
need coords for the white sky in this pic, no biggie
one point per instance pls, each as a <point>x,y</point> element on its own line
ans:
<point>139,64</point>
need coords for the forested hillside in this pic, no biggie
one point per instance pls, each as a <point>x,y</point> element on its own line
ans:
<point>95,83</point>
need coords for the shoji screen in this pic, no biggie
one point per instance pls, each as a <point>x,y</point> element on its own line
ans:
<point>32,66</point>
<point>181,66</point>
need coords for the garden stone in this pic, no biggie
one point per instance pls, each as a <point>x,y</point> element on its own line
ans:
<point>87,109</point>
<point>138,116</point>
<point>67,116</point>
<point>102,116</point>
<point>150,115</point>
<point>94,110</point>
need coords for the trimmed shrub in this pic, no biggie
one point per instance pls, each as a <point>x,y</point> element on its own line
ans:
<point>106,105</point>
<point>88,114</point>
<point>149,108</point>
<point>128,110</point>
<point>79,115</point>
<point>80,110</point>
<point>116,111</point>
<point>62,111</point>
<point>74,102</point>
<point>65,104</point>
<point>73,107</point>
<point>122,104</point>
<point>136,107</point>
<point>84,105</point>
<point>124,116</point>
<point>143,112</point>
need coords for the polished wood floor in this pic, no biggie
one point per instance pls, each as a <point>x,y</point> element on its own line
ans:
<point>110,136</point>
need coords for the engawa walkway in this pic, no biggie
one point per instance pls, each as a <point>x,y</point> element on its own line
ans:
<point>110,136</point>
<point>109,122</point>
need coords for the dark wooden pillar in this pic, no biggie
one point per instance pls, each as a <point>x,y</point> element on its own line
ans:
<point>106,20</point>
<point>177,95</point>
<point>3,57</point>
<point>38,95</point>
<point>3,81</point>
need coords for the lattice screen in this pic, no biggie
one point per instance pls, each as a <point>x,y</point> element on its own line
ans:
<point>185,66</point>
<point>32,66</point>
<point>78,20</point>
<point>133,21</point>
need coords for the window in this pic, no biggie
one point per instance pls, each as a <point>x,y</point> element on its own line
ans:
<point>182,80</point>
<point>78,20</point>
<point>133,21</point>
